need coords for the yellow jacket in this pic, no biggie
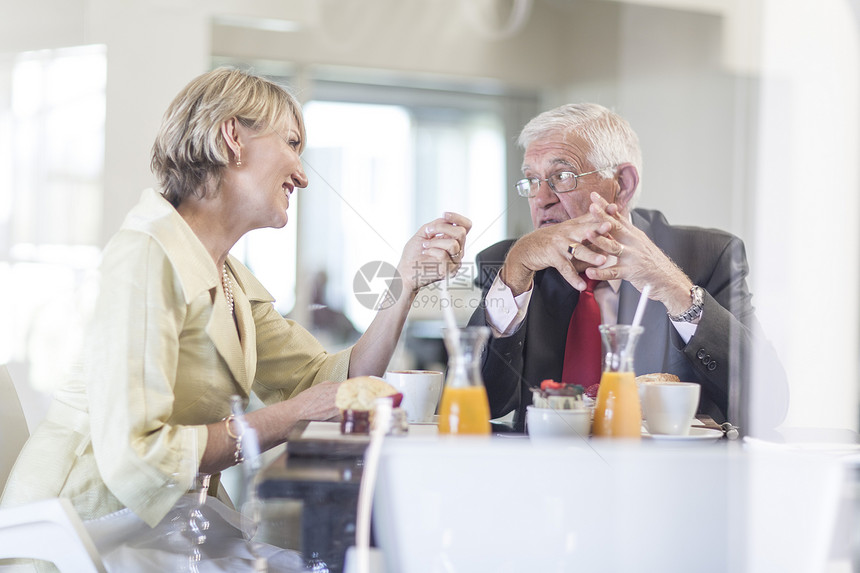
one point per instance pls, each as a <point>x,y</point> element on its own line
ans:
<point>162,355</point>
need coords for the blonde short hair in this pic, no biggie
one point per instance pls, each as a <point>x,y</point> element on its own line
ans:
<point>189,153</point>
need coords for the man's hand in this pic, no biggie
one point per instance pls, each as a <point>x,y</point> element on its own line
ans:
<point>638,260</point>
<point>551,247</point>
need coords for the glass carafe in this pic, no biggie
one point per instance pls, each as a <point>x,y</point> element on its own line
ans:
<point>249,505</point>
<point>188,526</point>
<point>618,413</point>
<point>464,408</point>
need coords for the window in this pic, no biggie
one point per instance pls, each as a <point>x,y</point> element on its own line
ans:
<point>52,117</point>
<point>381,171</point>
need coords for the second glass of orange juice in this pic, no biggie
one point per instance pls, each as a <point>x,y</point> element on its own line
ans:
<point>617,413</point>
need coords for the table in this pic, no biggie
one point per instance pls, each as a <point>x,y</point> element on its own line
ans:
<point>746,507</point>
<point>516,505</point>
<point>328,488</point>
<point>323,470</point>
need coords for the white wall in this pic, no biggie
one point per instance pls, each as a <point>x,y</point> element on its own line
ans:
<point>806,201</point>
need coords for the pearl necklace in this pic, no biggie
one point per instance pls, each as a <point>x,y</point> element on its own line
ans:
<point>228,287</point>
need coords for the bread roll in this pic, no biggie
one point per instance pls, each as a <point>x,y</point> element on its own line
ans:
<point>656,377</point>
<point>360,392</point>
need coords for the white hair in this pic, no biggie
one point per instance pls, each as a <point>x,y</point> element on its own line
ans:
<point>610,138</point>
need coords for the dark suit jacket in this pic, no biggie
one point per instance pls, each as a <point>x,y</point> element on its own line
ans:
<point>717,356</point>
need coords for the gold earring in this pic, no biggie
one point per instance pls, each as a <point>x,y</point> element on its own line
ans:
<point>238,160</point>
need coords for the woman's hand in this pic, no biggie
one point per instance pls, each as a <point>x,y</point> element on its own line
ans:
<point>434,252</point>
<point>317,402</point>
<point>272,423</point>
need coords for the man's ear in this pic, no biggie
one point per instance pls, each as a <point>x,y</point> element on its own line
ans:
<point>231,137</point>
<point>628,182</point>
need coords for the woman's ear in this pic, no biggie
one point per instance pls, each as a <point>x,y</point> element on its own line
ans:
<point>230,133</point>
<point>628,182</point>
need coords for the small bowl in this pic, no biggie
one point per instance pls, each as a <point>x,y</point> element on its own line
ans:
<point>551,423</point>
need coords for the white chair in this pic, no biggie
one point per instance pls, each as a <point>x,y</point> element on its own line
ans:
<point>13,424</point>
<point>50,530</point>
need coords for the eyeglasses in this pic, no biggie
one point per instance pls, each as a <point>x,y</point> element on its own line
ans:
<point>563,182</point>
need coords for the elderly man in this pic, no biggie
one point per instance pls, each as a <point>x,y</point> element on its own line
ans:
<point>586,263</point>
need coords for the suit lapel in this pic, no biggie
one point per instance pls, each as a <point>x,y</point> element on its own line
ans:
<point>155,217</point>
<point>547,321</point>
<point>247,337</point>
<point>628,296</point>
<point>557,293</point>
<point>652,342</point>
<point>649,355</point>
<point>222,330</point>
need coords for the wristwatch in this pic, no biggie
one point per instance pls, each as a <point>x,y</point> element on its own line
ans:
<point>695,310</point>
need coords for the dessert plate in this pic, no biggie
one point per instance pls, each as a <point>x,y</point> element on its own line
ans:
<point>696,435</point>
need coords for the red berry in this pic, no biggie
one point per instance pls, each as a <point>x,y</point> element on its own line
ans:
<point>550,385</point>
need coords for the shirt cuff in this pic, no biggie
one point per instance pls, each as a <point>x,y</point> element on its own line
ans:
<point>686,329</point>
<point>505,312</point>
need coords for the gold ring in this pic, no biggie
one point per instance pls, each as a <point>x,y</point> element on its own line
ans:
<point>572,247</point>
<point>619,252</point>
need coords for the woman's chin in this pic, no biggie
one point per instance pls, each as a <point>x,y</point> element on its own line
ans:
<point>278,223</point>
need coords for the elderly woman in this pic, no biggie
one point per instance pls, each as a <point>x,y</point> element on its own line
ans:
<point>181,325</point>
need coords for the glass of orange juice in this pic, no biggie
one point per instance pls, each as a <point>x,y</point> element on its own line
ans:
<point>617,413</point>
<point>464,408</point>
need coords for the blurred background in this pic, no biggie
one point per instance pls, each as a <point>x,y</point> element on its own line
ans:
<point>748,113</point>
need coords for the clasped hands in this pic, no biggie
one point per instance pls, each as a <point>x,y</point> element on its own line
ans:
<point>604,245</point>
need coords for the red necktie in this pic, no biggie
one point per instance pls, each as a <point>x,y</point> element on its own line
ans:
<point>582,351</point>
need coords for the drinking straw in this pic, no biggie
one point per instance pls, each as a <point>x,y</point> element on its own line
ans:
<point>637,318</point>
<point>450,320</point>
<point>382,415</point>
<point>447,308</point>
<point>640,309</point>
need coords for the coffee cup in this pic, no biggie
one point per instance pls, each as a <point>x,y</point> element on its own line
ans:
<point>421,391</point>
<point>671,407</point>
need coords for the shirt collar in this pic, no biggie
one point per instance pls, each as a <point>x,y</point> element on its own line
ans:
<point>156,217</point>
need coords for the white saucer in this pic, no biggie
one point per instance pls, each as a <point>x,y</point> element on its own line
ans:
<point>695,435</point>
